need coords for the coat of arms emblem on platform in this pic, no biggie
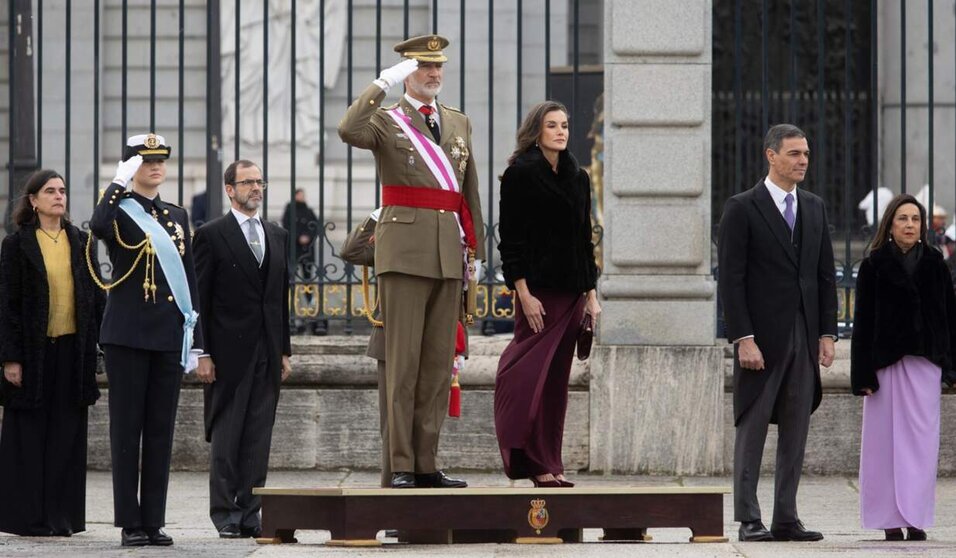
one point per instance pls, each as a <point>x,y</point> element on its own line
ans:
<point>538,515</point>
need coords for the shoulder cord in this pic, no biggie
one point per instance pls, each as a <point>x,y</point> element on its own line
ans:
<point>369,309</point>
<point>145,248</point>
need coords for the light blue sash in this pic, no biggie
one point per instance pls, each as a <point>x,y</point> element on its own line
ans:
<point>172,266</point>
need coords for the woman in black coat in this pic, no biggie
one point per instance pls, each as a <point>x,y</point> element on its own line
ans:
<point>547,258</point>
<point>49,321</point>
<point>904,343</point>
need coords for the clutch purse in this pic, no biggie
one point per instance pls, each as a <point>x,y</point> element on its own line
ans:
<point>585,338</point>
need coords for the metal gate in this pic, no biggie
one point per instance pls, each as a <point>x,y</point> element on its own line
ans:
<point>268,80</point>
<point>842,71</point>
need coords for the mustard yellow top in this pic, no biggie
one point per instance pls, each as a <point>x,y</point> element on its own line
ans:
<point>59,274</point>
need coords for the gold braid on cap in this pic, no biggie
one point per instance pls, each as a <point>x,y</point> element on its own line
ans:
<point>145,249</point>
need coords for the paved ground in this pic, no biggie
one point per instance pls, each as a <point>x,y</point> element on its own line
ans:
<point>828,504</point>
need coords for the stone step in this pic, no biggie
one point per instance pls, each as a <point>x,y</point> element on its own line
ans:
<point>356,344</point>
<point>331,429</point>
<point>340,361</point>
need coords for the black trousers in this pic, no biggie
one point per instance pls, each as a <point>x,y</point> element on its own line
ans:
<point>241,438</point>
<point>144,394</point>
<point>43,454</point>
<point>789,390</point>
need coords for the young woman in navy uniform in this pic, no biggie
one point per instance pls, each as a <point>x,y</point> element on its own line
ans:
<point>145,334</point>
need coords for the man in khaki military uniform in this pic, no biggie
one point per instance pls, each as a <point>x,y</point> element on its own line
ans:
<point>359,250</point>
<point>430,191</point>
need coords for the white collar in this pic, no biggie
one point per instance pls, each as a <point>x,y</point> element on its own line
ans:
<point>416,104</point>
<point>242,217</point>
<point>778,194</point>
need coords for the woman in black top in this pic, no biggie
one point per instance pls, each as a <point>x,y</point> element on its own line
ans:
<point>904,343</point>
<point>547,258</point>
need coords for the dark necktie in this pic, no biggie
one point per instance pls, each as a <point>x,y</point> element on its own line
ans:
<point>428,113</point>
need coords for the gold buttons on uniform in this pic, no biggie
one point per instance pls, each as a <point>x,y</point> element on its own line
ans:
<point>169,223</point>
<point>165,212</point>
<point>372,102</point>
<point>169,298</point>
<point>394,218</point>
<point>441,210</point>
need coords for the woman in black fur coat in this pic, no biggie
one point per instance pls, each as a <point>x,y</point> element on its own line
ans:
<point>547,258</point>
<point>50,313</point>
<point>904,342</point>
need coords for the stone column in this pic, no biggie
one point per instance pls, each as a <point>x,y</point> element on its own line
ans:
<point>657,384</point>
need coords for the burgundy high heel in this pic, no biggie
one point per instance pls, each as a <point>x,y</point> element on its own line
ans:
<point>554,483</point>
<point>565,483</point>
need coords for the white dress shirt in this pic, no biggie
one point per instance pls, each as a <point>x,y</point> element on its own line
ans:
<point>255,221</point>
<point>416,104</point>
<point>779,196</point>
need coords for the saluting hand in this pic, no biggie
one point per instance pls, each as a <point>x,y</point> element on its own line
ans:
<point>286,367</point>
<point>206,370</point>
<point>397,73</point>
<point>125,170</point>
<point>13,372</point>
<point>749,354</point>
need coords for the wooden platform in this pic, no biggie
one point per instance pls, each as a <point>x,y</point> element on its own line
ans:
<point>521,515</point>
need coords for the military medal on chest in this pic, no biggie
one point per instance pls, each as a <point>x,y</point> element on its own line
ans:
<point>177,234</point>
<point>459,151</point>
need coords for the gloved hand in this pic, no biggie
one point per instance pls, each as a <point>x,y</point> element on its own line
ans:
<point>397,73</point>
<point>126,169</point>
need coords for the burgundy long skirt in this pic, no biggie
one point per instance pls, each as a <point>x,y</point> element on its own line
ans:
<point>531,387</point>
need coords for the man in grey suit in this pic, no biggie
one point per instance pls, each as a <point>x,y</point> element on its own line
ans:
<point>777,281</point>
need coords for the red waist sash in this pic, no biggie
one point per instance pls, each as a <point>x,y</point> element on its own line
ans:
<point>432,198</point>
<point>417,196</point>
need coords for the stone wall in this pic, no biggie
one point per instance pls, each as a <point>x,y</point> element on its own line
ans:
<point>328,416</point>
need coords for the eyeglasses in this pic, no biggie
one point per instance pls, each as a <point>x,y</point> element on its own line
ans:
<point>253,182</point>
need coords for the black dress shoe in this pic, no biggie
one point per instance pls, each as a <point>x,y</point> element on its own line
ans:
<point>794,532</point>
<point>403,480</point>
<point>157,537</point>
<point>250,532</point>
<point>894,534</point>
<point>914,534</point>
<point>133,537</point>
<point>753,531</point>
<point>438,479</point>
<point>229,531</point>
